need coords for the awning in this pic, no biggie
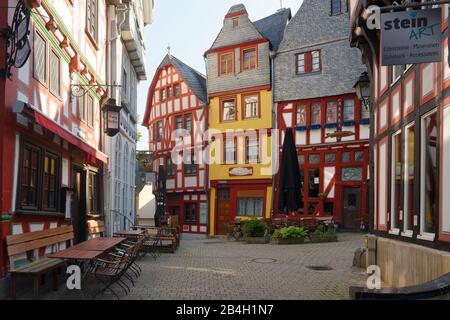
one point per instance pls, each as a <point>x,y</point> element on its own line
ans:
<point>69,137</point>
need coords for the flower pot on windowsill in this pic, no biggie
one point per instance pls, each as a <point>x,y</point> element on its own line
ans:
<point>258,240</point>
<point>291,241</point>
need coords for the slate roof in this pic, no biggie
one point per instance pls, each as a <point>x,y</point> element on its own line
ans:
<point>195,80</point>
<point>272,27</point>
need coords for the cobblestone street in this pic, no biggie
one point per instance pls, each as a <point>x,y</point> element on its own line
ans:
<point>224,270</point>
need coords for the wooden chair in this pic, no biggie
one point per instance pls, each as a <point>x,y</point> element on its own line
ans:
<point>96,228</point>
<point>31,242</point>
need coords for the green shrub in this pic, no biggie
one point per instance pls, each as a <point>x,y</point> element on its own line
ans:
<point>290,233</point>
<point>254,228</point>
<point>323,231</point>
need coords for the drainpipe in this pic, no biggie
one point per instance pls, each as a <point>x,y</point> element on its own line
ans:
<point>207,187</point>
<point>273,54</point>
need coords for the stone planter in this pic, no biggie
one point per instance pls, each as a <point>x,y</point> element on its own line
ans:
<point>320,239</point>
<point>292,241</point>
<point>258,240</point>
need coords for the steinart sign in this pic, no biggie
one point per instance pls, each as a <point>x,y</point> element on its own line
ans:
<point>411,37</point>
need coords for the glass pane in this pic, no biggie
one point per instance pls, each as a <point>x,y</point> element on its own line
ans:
<point>301,115</point>
<point>397,180</point>
<point>301,159</point>
<point>359,156</point>
<point>349,110</point>
<point>352,174</point>
<point>315,114</point>
<point>314,158</point>
<point>314,183</point>
<point>332,112</point>
<point>410,184</point>
<point>330,157</point>
<point>346,156</point>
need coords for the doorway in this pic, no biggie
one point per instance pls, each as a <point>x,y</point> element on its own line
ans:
<point>79,217</point>
<point>351,213</point>
<point>223,211</point>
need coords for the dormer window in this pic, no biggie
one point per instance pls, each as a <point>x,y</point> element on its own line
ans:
<point>236,22</point>
<point>336,7</point>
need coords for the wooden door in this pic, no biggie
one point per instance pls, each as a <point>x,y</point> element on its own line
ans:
<point>223,211</point>
<point>351,208</point>
<point>79,218</point>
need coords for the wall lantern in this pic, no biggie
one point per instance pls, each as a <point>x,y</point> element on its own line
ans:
<point>112,117</point>
<point>362,88</point>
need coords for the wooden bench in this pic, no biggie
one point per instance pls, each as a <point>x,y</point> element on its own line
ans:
<point>96,228</point>
<point>160,236</point>
<point>32,242</point>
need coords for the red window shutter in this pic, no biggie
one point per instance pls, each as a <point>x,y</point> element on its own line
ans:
<point>308,62</point>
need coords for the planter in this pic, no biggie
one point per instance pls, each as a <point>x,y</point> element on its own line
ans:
<point>258,240</point>
<point>292,241</point>
<point>320,239</point>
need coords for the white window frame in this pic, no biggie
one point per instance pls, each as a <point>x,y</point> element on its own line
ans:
<point>424,235</point>
<point>394,230</point>
<point>406,232</point>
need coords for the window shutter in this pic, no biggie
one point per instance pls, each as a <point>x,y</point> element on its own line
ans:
<point>40,59</point>
<point>308,62</point>
<point>54,74</point>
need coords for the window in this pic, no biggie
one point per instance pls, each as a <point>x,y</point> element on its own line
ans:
<point>352,174</point>
<point>346,156</point>
<point>230,151</point>
<point>50,182</point>
<point>250,207</point>
<point>188,123</point>
<point>308,62</point>
<point>81,111</point>
<point>178,122</point>
<point>396,180</point>
<point>124,82</point>
<point>176,90</point>
<point>159,130</point>
<point>314,183</point>
<point>397,71</point>
<point>163,94</point>
<point>29,177</point>
<point>235,22</point>
<point>314,158</point>
<point>92,19</point>
<point>251,107</point>
<point>330,158</point>
<point>93,207</point>
<point>336,7</point>
<point>55,74</point>
<point>226,63</point>
<point>249,59</point>
<point>90,110</point>
<point>39,179</point>
<point>40,58</point>
<point>409,183</point>
<point>169,93</point>
<point>190,213</point>
<point>315,61</point>
<point>229,110</point>
<point>190,166</point>
<point>332,112</point>
<point>251,150</point>
<point>359,156</point>
<point>429,177</point>
<point>365,111</point>
<point>349,110</point>
<point>316,118</point>
<point>301,115</point>
<point>171,167</point>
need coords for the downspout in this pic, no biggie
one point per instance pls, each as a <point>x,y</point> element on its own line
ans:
<point>206,184</point>
<point>273,54</point>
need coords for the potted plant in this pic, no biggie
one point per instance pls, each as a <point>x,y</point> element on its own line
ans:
<point>255,232</point>
<point>290,235</point>
<point>324,234</point>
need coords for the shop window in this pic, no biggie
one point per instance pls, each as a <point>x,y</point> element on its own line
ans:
<point>251,150</point>
<point>250,207</point>
<point>190,213</point>
<point>410,178</point>
<point>352,174</point>
<point>251,107</point>
<point>249,58</point>
<point>314,183</point>
<point>396,179</point>
<point>429,178</point>
<point>29,175</point>
<point>301,115</point>
<point>93,193</point>
<point>314,159</point>
<point>229,110</point>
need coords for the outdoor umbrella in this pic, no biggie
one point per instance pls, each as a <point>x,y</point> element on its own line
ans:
<point>289,178</point>
<point>160,196</point>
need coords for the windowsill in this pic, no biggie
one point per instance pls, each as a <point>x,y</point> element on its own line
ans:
<point>40,213</point>
<point>408,233</point>
<point>394,231</point>
<point>426,237</point>
<point>300,74</point>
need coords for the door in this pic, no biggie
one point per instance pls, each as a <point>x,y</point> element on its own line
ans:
<point>223,211</point>
<point>79,218</point>
<point>351,208</point>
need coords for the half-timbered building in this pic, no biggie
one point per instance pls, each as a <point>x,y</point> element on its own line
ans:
<point>315,71</point>
<point>50,122</point>
<point>410,148</point>
<point>176,118</point>
<point>239,68</point>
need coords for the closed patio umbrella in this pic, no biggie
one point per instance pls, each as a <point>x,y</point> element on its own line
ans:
<point>160,196</point>
<point>289,199</point>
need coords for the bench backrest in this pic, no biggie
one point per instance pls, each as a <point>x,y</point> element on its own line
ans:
<point>96,228</point>
<point>22,243</point>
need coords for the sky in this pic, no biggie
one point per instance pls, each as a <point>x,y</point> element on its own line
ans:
<point>190,28</point>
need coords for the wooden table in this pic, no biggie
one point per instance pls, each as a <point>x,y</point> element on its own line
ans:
<point>74,254</point>
<point>98,244</point>
<point>129,233</point>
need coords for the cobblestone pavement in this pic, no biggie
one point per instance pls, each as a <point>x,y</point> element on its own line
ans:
<point>226,270</point>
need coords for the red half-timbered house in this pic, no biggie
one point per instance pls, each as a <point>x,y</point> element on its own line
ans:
<point>315,71</point>
<point>176,118</point>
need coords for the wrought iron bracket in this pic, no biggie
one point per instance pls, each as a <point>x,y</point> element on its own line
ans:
<point>80,90</point>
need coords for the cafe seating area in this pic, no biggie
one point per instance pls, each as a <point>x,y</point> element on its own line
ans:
<point>110,263</point>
